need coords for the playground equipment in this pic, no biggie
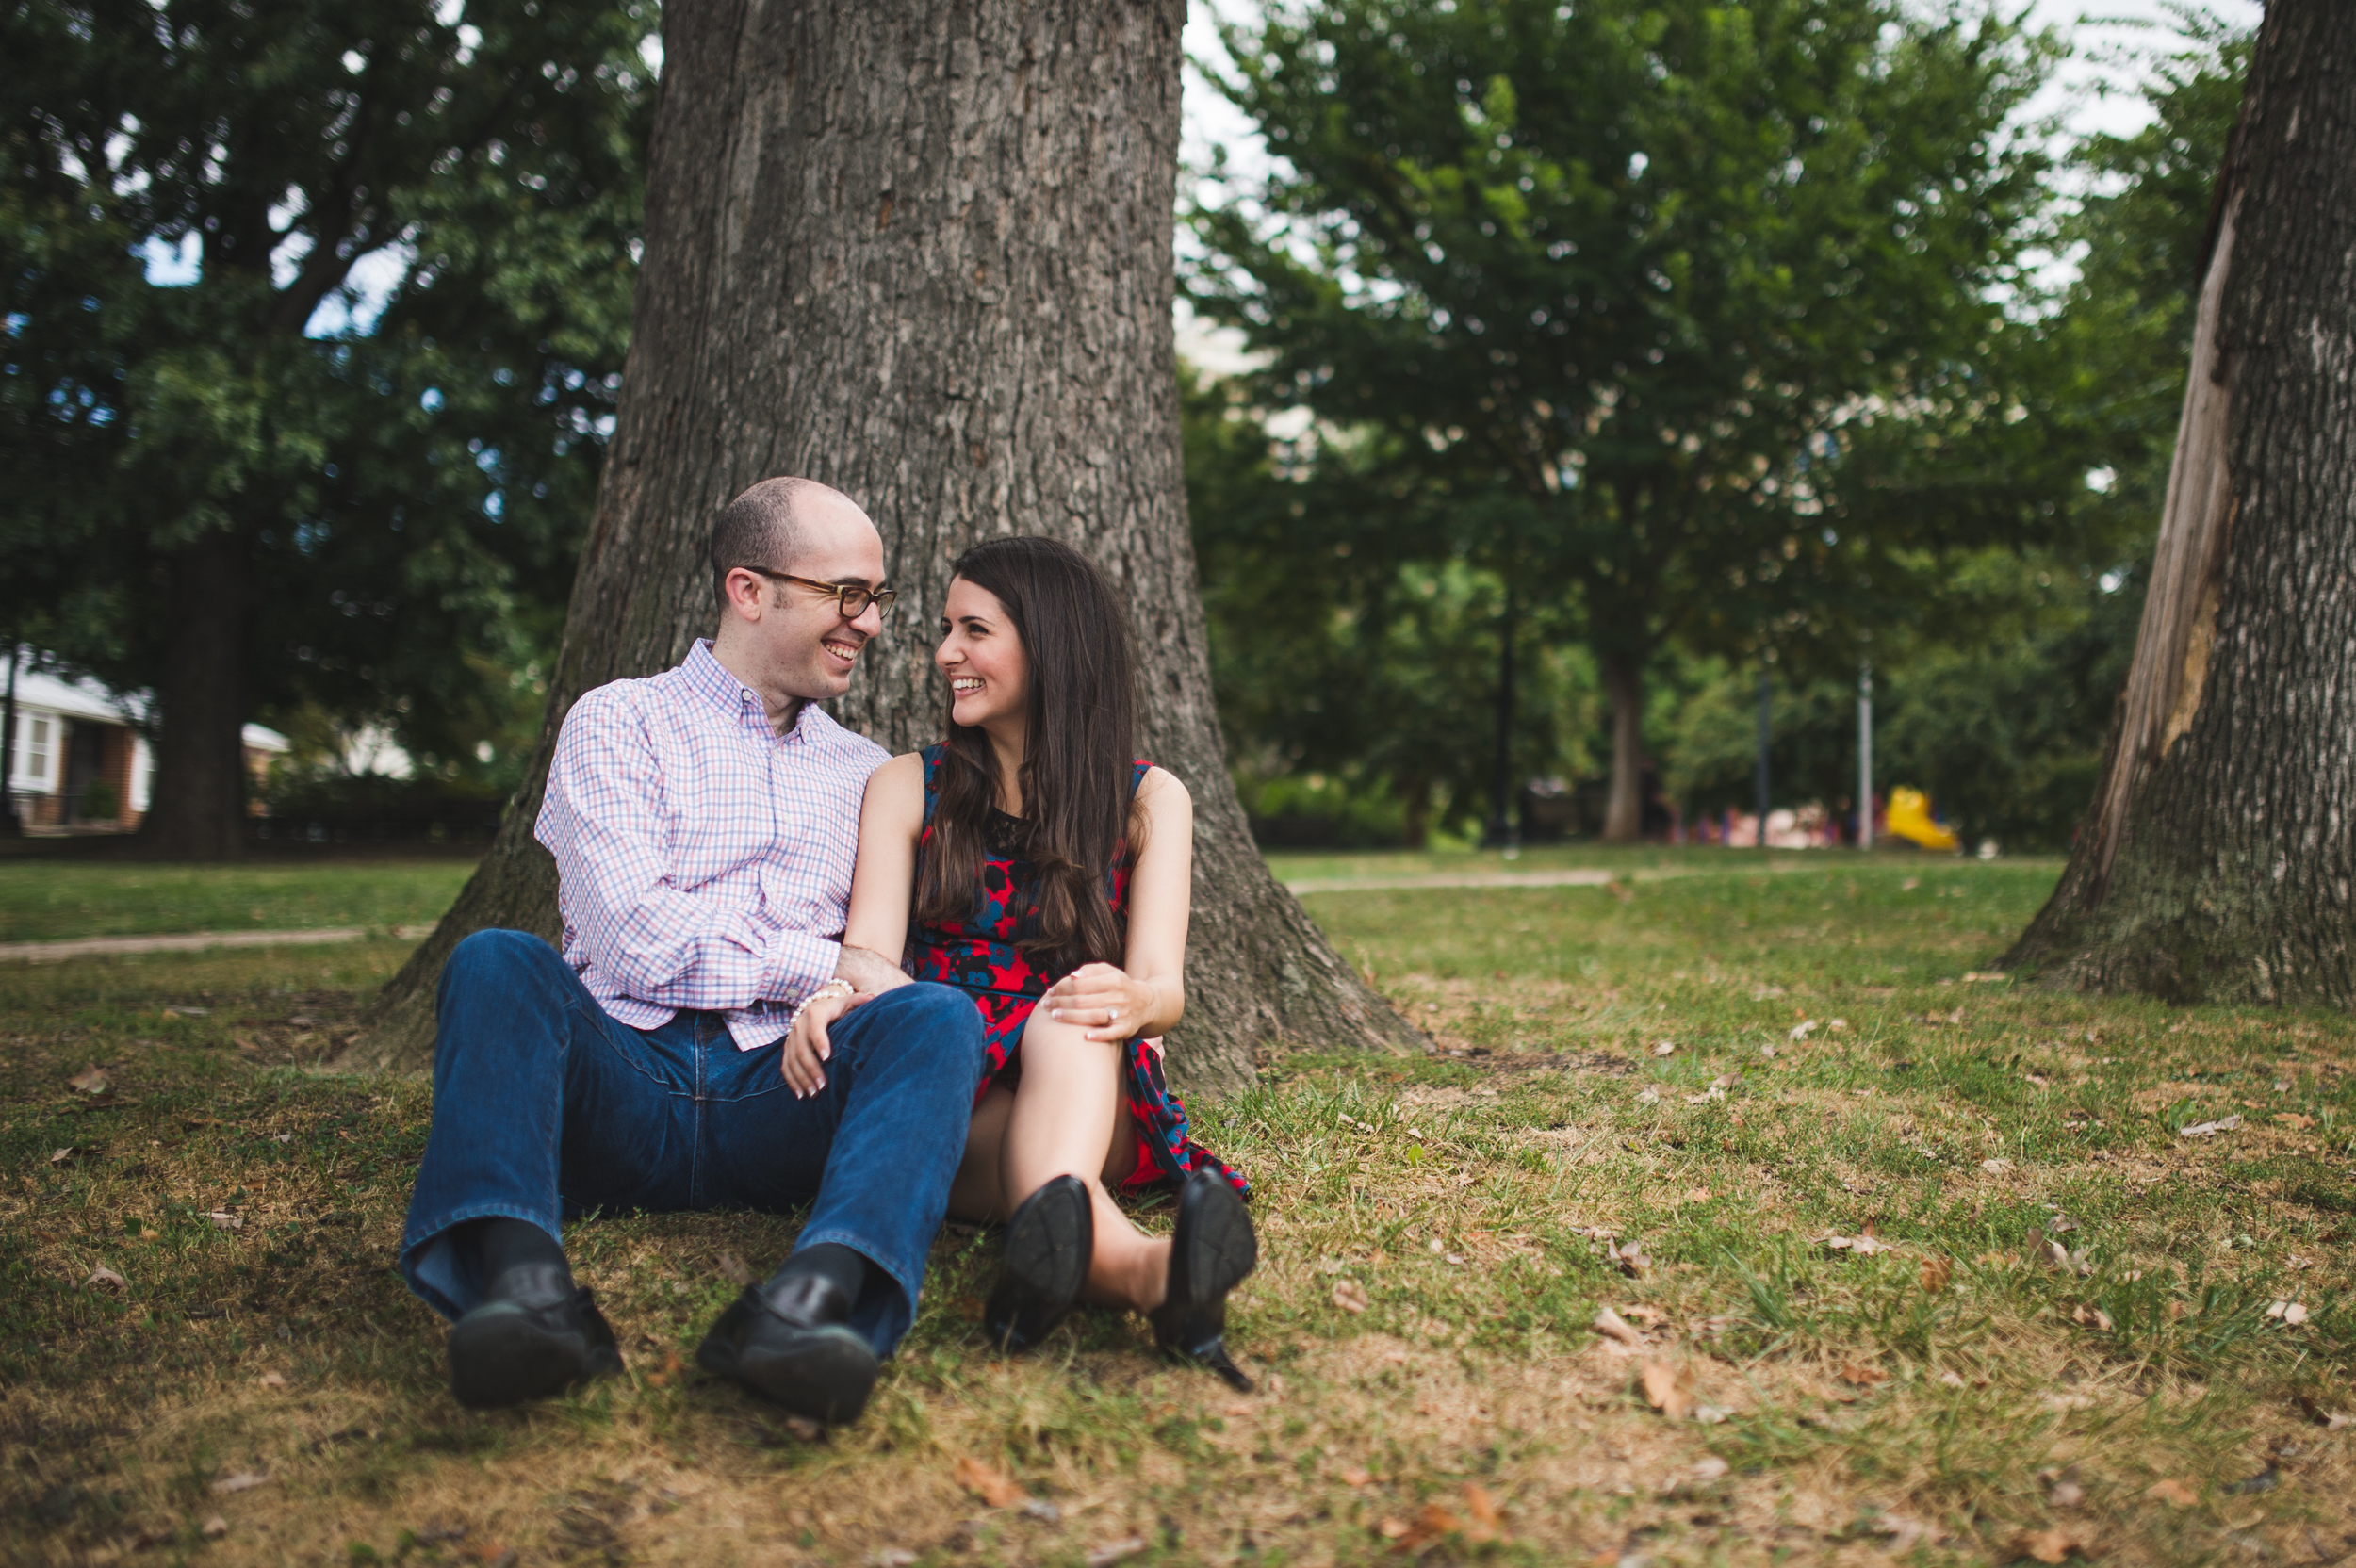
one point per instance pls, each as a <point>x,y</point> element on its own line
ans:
<point>1909,818</point>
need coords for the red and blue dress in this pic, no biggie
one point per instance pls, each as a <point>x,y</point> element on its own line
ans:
<point>979,955</point>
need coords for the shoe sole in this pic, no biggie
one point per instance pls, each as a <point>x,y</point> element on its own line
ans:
<point>1222,1251</point>
<point>509,1360</point>
<point>1048,1256</point>
<point>826,1375</point>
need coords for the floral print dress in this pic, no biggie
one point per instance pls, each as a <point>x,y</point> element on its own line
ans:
<point>979,955</point>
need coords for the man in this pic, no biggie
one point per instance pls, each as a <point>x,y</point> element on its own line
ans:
<point>704,822</point>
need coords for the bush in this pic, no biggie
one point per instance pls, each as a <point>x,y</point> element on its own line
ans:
<point>371,807</point>
<point>99,802</point>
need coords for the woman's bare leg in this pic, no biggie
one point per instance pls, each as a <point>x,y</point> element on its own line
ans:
<point>975,1194</point>
<point>1066,1110</point>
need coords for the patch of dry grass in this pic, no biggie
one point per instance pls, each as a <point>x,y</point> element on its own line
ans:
<point>1439,1234</point>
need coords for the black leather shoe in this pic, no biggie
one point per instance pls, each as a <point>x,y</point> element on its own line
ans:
<point>788,1341</point>
<point>530,1343</point>
<point>1049,1241</point>
<point>1211,1250</point>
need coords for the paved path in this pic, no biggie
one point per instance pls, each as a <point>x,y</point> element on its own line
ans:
<point>1582,876</point>
<point>195,941</point>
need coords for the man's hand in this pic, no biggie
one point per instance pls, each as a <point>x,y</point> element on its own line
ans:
<point>868,971</point>
<point>1103,1001</point>
<point>806,1045</point>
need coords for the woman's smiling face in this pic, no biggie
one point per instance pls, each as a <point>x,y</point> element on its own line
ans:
<point>981,653</point>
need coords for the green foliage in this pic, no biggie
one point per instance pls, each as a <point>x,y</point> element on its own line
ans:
<point>403,484</point>
<point>1632,284</point>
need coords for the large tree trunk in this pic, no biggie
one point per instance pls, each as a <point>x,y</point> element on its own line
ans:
<point>1624,807</point>
<point>197,809</point>
<point>923,252</point>
<point>2216,862</point>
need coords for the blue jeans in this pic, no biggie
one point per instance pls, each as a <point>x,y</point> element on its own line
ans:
<point>545,1107</point>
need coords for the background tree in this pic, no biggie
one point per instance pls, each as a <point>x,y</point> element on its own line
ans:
<point>921,251</point>
<point>285,481</point>
<point>1634,279</point>
<point>2215,861</point>
<point>1339,619</point>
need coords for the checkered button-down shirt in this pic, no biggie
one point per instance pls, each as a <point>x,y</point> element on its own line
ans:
<point>704,859</point>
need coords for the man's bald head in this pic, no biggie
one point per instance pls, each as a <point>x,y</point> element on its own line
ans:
<point>769,525</point>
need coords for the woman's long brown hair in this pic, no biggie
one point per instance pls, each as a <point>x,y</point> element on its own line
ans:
<point>1080,739</point>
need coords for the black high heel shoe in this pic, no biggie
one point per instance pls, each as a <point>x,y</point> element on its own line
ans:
<point>1049,1241</point>
<point>1211,1251</point>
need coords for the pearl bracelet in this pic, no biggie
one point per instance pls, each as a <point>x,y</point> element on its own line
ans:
<point>832,987</point>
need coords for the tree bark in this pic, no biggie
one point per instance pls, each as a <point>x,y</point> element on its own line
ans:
<point>920,251</point>
<point>197,811</point>
<point>2214,864</point>
<point>1624,807</point>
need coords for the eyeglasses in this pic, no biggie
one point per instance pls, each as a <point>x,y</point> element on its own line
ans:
<point>851,601</point>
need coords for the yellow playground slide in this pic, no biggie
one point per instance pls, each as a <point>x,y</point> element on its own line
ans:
<point>1909,818</point>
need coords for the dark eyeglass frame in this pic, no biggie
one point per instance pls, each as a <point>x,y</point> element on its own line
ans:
<point>851,599</point>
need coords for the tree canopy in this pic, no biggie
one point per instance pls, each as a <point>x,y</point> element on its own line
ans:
<point>314,319</point>
<point>1676,303</point>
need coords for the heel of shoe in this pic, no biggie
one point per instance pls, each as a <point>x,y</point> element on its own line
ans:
<point>1213,1249</point>
<point>1048,1243</point>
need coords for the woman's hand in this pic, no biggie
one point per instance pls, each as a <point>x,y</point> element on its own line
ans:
<point>1107,1005</point>
<point>806,1045</point>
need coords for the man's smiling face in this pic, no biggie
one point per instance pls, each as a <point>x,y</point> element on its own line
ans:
<point>789,641</point>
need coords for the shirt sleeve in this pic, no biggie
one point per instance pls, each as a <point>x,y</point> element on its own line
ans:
<point>654,941</point>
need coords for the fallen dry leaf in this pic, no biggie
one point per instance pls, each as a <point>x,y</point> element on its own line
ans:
<point>63,1155</point>
<point>991,1486</point>
<point>243,1481</point>
<point>1801,1030</point>
<point>272,1379</point>
<point>1429,1525</point>
<point>223,1220</point>
<point>1392,1529</point>
<point>1666,1389</point>
<point>91,1080</point>
<point>1996,1166</point>
<point>1613,1326</point>
<point>1862,1377</point>
<point>1116,1551</point>
<point>2174,1492</point>
<point>1630,1258</point>
<point>2288,1312</point>
<point>1482,1521</point>
<point>1864,1247</point>
<point>214,1528</point>
<point>102,1275</point>
<point>1355,1478</point>
<point>1350,1295</point>
<point>2090,1317</point>
<point>734,1269</point>
<point>2294,1121</point>
<point>2320,1416</point>
<point>2054,1545</point>
<point>1937,1272</point>
<point>1953,1379</point>
<point>1651,1318</point>
<point>2210,1129</point>
<point>1665,1048</point>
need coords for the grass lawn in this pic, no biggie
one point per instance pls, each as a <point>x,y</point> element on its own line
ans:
<point>41,899</point>
<point>2060,1334</point>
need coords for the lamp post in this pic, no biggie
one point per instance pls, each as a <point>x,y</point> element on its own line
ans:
<point>1765,689</point>
<point>1865,755</point>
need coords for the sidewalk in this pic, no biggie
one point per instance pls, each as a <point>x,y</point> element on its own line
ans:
<point>195,941</point>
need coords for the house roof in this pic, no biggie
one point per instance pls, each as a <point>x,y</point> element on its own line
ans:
<point>80,697</point>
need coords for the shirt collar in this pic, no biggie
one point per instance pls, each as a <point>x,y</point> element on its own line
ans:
<point>711,681</point>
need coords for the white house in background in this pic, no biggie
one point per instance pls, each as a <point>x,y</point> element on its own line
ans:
<point>80,763</point>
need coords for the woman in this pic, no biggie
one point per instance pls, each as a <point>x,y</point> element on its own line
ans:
<point>1032,861</point>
